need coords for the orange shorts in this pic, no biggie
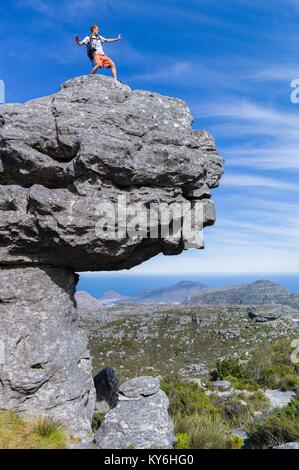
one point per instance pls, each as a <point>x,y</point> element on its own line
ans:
<point>103,61</point>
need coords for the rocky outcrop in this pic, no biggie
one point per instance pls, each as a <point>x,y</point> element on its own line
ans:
<point>279,399</point>
<point>65,157</point>
<point>45,368</point>
<point>288,446</point>
<point>140,420</point>
<point>66,162</point>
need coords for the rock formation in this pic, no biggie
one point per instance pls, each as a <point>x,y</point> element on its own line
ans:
<point>288,446</point>
<point>44,364</point>
<point>140,420</point>
<point>63,158</point>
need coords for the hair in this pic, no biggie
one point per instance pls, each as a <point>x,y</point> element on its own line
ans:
<point>93,27</point>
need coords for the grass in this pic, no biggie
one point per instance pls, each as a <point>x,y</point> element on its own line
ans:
<point>18,433</point>
<point>187,398</point>
<point>202,431</point>
<point>207,422</point>
<point>199,422</point>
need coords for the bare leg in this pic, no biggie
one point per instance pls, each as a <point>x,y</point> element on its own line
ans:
<point>95,69</point>
<point>114,72</point>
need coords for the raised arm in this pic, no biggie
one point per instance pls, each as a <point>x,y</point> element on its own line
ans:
<point>81,43</point>
<point>119,37</point>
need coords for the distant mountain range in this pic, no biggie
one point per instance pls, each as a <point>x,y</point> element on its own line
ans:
<point>189,293</point>
<point>256,293</point>
<point>86,302</point>
<point>175,294</point>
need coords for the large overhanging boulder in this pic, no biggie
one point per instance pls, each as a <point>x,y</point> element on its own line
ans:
<point>96,142</point>
<point>69,163</point>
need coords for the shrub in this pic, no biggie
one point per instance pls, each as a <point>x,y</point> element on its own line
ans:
<point>228,367</point>
<point>289,382</point>
<point>242,384</point>
<point>183,441</point>
<point>271,368</point>
<point>276,428</point>
<point>268,367</point>
<point>258,401</point>
<point>206,431</point>
<point>187,398</point>
<point>236,442</point>
<point>233,411</point>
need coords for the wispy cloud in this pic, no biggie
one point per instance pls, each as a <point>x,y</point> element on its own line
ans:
<point>255,181</point>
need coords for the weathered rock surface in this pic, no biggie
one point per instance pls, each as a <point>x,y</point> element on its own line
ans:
<point>63,156</point>
<point>63,159</point>
<point>222,385</point>
<point>289,445</point>
<point>140,420</point>
<point>45,368</point>
<point>279,399</point>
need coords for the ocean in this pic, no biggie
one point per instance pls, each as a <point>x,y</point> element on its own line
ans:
<point>98,284</point>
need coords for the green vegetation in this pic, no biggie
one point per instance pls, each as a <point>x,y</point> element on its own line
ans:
<point>43,433</point>
<point>97,420</point>
<point>207,421</point>
<point>183,441</point>
<point>204,430</point>
<point>187,398</point>
<point>269,367</point>
<point>236,442</point>
<point>199,421</point>
<point>144,340</point>
<point>275,428</point>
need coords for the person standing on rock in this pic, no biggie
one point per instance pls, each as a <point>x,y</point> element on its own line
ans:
<point>94,43</point>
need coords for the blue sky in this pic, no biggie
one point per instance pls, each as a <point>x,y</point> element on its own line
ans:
<point>232,61</point>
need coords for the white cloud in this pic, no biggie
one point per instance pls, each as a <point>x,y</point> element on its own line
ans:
<point>255,181</point>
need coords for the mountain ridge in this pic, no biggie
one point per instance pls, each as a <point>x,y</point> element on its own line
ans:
<point>190,293</point>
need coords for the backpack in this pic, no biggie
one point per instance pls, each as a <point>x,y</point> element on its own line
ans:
<point>90,49</point>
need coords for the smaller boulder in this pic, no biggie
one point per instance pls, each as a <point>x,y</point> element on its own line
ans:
<point>140,420</point>
<point>139,387</point>
<point>266,317</point>
<point>289,445</point>
<point>279,399</point>
<point>222,385</point>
